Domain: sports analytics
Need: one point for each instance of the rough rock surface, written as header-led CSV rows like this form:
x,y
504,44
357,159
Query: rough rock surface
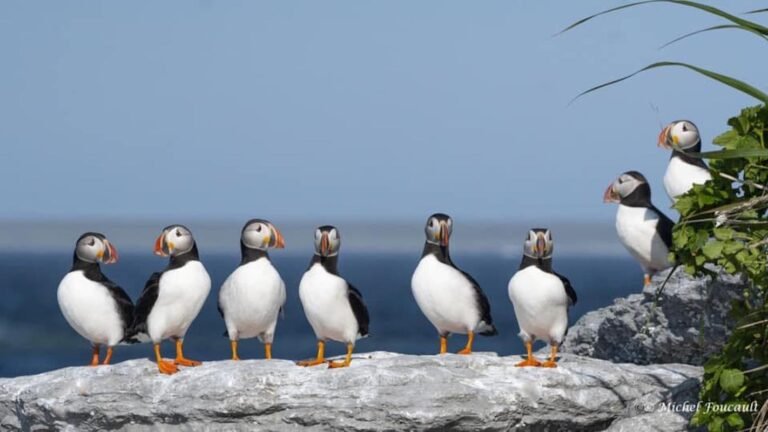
x,y
687,324
380,391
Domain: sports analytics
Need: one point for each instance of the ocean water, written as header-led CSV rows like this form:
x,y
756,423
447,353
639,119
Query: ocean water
x,y
34,337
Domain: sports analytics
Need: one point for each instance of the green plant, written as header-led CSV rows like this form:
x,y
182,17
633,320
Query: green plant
x,y
724,228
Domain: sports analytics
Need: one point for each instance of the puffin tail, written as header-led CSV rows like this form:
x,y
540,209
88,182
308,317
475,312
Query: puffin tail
x,y
486,329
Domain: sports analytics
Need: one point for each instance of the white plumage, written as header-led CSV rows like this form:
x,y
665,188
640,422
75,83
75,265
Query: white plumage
x,y
251,299
325,298
445,296
541,304
681,176
636,227
181,295
90,309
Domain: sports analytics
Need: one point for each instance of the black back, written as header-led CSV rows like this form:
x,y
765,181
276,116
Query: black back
x,y
442,255
545,265
664,227
125,309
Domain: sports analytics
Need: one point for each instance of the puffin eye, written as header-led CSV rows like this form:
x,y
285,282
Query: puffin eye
x,y
685,129
92,242
178,233
431,223
258,228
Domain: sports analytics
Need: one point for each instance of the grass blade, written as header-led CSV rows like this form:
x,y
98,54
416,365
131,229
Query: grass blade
x,y
723,79
756,11
706,8
717,27
731,154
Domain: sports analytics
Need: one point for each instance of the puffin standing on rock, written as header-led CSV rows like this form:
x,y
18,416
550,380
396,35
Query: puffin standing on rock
x,y
95,307
642,228
334,308
541,297
450,298
172,298
251,298
683,170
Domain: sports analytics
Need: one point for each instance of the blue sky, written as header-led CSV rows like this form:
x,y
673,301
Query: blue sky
x,y
345,110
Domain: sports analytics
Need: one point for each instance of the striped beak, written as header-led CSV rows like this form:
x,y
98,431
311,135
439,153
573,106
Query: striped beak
x,y
610,195
325,245
444,234
276,240
162,248
110,253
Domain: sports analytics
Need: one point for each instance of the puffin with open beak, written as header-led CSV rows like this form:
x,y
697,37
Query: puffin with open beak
x,y
643,229
251,298
96,308
173,297
334,308
683,170
449,297
540,297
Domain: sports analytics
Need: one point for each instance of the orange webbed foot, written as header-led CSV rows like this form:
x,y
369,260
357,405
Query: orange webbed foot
x,y
167,367
181,361
465,351
549,364
338,364
531,361
310,362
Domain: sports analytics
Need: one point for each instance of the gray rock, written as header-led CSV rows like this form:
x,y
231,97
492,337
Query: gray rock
x,y
688,323
380,391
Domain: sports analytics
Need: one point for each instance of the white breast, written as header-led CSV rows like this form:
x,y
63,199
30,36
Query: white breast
x,y
180,297
325,300
251,299
90,309
636,227
540,303
445,296
681,176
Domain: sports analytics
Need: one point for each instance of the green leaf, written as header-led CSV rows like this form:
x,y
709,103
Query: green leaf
x,y
717,27
723,79
731,247
731,380
713,250
723,233
700,6
735,420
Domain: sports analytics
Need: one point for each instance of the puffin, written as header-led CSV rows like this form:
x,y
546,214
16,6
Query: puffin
x,y
96,308
173,297
334,308
251,298
449,297
643,229
541,297
683,170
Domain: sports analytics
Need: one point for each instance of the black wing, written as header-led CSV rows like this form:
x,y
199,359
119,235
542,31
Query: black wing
x,y
124,305
359,309
145,304
664,228
483,304
568,288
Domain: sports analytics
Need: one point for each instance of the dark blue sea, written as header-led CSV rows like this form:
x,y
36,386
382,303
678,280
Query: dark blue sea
x,y
34,337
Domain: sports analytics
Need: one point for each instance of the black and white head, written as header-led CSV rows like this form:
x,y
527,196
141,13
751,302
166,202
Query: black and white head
x,y
95,248
438,229
679,135
174,240
327,241
539,244
629,187
261,234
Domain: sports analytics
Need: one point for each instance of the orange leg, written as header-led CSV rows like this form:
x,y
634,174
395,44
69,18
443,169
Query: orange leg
x,y
233,344
165,366
347,360
108,358
268,351
320,359
443,344
180,359
531,360
468,349
95,356
646,280
551,362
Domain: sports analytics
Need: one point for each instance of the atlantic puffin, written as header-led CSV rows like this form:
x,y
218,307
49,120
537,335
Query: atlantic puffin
x,y
334,308
449,297
173,297
540,297
643,229
251,298
96,308
683,170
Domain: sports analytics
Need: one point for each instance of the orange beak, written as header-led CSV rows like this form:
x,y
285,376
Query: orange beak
x,y
610,195
111,253
325,245
161,248
279,241
444,234
541,244
663,138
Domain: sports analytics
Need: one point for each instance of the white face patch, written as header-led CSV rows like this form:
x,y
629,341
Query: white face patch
x,y
625,185
257,235
685,134
180,238
334,241
88,248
